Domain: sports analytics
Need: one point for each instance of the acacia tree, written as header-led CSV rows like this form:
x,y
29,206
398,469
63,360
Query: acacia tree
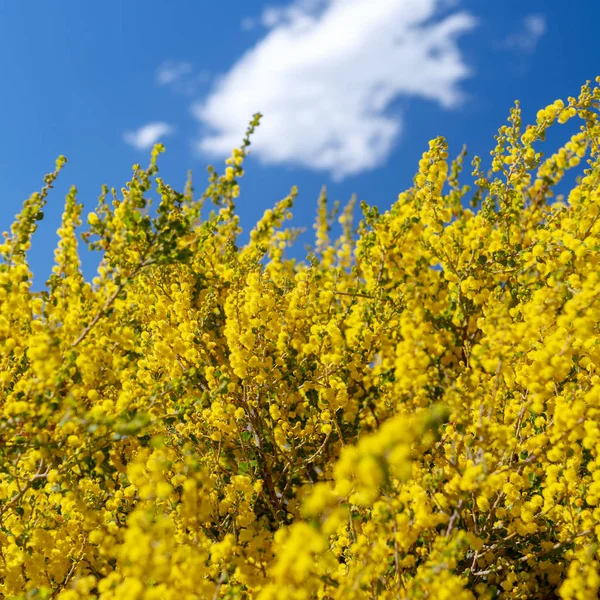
x,y
412,412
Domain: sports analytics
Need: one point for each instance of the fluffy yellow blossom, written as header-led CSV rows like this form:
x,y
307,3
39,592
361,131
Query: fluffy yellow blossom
x,y
411,412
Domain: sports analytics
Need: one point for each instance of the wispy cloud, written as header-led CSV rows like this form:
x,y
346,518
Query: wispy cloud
x,y
276,15
527,37
248,23
324,75
171,71
148,135
180,77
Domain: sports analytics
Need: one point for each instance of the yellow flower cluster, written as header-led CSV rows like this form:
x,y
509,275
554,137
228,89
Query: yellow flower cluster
x,y
413,412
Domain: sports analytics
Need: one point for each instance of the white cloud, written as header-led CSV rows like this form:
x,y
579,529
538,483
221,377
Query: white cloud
x,y
324,75
145,137
527,38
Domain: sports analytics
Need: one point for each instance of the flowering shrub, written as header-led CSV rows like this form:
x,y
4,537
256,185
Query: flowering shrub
x,y
412,413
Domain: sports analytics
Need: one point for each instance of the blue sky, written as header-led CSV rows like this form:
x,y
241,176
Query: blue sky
x,y
351,92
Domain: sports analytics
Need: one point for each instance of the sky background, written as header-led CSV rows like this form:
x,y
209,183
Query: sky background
x,y
351,92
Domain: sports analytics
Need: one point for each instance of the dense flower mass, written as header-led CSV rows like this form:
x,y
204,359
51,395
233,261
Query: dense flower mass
x,y
413,412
